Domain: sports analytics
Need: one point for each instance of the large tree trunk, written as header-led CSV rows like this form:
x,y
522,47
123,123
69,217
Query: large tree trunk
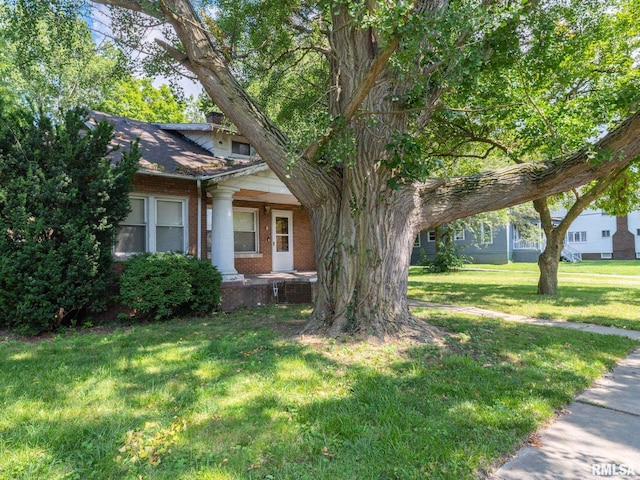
x,y
362,285
363,240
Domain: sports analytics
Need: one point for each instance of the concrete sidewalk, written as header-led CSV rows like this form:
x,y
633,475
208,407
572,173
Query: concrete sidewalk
x,y
596,436
586,327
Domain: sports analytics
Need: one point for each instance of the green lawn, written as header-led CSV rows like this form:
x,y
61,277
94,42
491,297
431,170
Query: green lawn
x,y
586,292
598,267
237,397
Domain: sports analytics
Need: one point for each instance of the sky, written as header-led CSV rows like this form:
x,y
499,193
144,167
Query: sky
x,y
100,24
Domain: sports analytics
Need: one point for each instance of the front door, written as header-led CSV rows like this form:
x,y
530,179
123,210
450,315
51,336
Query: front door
x,y
282,240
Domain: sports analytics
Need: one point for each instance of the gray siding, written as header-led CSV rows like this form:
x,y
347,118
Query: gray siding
x,y
525,256
497,252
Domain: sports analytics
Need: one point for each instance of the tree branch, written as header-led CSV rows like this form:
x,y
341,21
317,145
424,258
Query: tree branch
x,y
496,189
141,6
312,186
587,197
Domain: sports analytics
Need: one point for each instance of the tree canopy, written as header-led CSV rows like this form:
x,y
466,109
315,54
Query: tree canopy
x,y
138,99
49,57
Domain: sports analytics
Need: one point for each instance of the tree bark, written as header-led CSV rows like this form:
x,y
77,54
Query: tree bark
x,y
549,259
548,262
363,229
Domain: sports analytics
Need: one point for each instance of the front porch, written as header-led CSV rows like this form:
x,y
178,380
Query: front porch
x,y
268,289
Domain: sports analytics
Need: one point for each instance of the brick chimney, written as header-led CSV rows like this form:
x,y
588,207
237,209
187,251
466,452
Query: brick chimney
x,y
624,243
216,118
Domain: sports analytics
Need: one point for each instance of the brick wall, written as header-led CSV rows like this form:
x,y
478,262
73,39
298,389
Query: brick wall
x,y
236,296
624,243
303,250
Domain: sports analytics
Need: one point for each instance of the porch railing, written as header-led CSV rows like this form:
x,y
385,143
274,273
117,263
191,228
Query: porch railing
x,y
521,244
568,252
571,254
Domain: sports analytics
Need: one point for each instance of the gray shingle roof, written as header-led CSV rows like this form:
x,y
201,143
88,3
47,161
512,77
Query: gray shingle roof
x,y
167,151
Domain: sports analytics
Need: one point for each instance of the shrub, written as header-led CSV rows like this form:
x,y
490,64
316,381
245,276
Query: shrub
x,y
447,258
205,282
60,202
159,285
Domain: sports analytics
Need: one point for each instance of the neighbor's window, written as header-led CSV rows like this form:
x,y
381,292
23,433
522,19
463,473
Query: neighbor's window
x,y
459,234
245,228
240,148
431,236
486,234
577,237
606,233
416,242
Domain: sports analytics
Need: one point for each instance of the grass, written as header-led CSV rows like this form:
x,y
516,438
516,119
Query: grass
x,y
586,292
237,397
595,267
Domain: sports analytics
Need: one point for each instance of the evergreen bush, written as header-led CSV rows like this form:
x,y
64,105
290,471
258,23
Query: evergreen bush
x,y
60,203
159,285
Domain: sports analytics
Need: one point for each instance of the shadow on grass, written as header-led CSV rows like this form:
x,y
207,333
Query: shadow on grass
x,y
496,293
229,398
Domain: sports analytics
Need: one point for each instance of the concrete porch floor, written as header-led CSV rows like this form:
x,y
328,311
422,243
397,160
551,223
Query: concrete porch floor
x,y
270,278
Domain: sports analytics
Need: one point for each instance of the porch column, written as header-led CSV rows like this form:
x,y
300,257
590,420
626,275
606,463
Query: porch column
x,y
222,249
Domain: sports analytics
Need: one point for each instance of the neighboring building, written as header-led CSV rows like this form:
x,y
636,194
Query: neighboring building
x,y
493,246
594,235
597,235
201,189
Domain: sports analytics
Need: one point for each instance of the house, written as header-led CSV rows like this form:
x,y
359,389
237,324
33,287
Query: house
x,y
594,235
201,188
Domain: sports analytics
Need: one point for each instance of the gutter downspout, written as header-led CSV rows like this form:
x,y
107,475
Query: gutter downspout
x,y
199,247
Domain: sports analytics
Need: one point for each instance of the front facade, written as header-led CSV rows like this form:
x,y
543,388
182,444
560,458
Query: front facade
x,y
201,189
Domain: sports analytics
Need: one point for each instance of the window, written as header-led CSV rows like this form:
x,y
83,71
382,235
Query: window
x,y
132,231
245,228
606,233
154,225
431,236
577,237
486,234
606,256
459,234
240,148
638,232
416,242
169,226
